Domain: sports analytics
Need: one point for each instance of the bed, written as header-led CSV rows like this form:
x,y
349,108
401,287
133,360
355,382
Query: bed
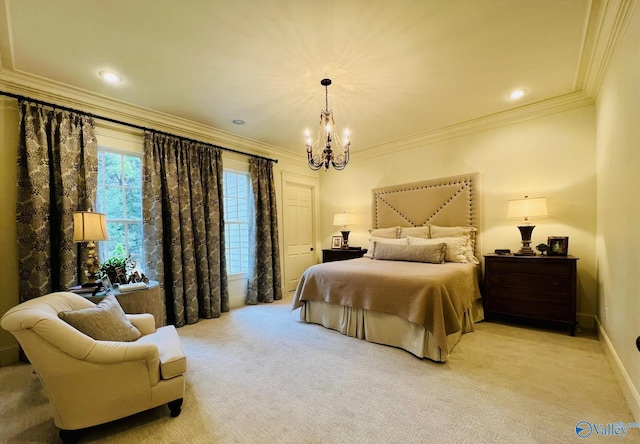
x,y
390,299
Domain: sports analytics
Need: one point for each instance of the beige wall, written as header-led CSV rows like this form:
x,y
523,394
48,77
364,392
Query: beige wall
x,y
551,156
618,172
8,236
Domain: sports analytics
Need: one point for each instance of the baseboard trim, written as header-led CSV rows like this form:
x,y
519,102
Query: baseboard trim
x,y
628,389
9,355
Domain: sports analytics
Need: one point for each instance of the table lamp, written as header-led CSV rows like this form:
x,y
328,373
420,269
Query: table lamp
x,y
90,227
526,208
343,220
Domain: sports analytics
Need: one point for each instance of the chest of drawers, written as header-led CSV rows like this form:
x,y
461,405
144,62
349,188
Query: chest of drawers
x,y
533,287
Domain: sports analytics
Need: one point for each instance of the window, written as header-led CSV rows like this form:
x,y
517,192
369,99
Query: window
x,y
236,189
120,198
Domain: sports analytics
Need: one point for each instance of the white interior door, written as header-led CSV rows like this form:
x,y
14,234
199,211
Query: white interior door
x,y
299,239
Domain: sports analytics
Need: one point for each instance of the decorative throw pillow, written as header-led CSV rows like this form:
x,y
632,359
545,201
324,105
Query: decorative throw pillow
x,y
389,233
423,232
382,240
470,232
104,322
456,247
433,254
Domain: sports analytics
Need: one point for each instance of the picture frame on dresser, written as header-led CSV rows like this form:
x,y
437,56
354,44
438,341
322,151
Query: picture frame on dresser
x,y
107,286
336,242
558,245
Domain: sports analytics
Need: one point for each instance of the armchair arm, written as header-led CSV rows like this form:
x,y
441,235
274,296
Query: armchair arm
x,y
110,352
144,322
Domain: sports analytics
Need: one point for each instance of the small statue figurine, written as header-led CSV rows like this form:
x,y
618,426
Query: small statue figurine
x,y
542,248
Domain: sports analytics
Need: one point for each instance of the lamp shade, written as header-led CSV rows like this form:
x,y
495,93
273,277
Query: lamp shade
x,y
344,219
89,226
527,207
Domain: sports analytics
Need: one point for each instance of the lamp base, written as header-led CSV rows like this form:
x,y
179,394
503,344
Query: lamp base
x,y
345,239
525,232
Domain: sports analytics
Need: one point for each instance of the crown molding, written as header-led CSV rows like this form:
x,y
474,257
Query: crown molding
x,y
605,28
536,110
40,88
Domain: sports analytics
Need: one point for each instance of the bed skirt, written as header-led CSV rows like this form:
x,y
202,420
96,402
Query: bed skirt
x,y
387,329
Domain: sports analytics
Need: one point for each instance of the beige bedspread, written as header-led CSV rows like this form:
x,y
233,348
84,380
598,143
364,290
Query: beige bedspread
x,y
435,296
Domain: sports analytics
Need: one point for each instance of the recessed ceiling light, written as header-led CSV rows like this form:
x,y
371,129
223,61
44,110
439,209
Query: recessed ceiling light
x,y
517,94
238,122
110,76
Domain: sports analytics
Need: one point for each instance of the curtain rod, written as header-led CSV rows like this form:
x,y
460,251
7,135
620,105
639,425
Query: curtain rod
x,y
132,125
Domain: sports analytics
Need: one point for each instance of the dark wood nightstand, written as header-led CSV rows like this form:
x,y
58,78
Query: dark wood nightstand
x,y
332,255
532,287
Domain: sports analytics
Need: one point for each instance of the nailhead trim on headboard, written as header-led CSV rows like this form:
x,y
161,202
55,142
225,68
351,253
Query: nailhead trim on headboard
x,y
465,186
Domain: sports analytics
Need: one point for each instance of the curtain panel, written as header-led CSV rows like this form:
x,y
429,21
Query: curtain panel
x,y
184,226
57,175
264,256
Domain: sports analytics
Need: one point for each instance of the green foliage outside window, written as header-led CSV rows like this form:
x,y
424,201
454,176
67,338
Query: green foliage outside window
x,y
120,198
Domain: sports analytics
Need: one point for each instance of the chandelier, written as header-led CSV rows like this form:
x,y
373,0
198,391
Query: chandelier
x,y
327,133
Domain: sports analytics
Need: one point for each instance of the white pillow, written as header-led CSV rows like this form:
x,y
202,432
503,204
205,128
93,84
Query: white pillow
x,y
439,232
456,247
433,254
383,240
389,233
423,232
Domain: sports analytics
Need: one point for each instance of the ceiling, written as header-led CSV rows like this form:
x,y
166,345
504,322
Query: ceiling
x,y
399,69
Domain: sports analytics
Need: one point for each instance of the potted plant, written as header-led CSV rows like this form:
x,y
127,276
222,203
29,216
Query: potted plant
x,y
114,267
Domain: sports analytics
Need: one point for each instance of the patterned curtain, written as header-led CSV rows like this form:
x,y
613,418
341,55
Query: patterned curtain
x,y
264,257
184,226
57,175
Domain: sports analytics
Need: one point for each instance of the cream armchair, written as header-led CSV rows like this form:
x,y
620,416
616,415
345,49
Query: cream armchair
x,y
91,382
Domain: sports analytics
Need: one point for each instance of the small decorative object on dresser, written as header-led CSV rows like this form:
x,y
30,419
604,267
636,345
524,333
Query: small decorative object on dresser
x,y
106,284
542,248
558,245
336,242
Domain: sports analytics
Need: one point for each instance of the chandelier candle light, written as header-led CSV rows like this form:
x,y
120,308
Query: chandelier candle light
x,y
343,220
526,208
319,159
90,227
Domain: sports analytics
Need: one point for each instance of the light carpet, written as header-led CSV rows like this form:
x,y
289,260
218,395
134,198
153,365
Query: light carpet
x,y
260,375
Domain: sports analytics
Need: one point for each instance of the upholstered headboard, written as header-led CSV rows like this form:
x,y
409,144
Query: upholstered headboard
x,y
446,201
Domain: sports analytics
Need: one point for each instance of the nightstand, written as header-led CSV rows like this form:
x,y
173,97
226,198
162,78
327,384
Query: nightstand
x,y
533,287
332,255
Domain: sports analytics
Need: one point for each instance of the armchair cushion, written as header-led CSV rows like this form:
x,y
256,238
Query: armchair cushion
x,y
104,322
172,359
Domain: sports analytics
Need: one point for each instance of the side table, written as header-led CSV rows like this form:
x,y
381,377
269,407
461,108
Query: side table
x,y
145,300
335,254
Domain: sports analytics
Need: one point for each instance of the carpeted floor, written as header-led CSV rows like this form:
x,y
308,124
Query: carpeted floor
x,y
259,375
